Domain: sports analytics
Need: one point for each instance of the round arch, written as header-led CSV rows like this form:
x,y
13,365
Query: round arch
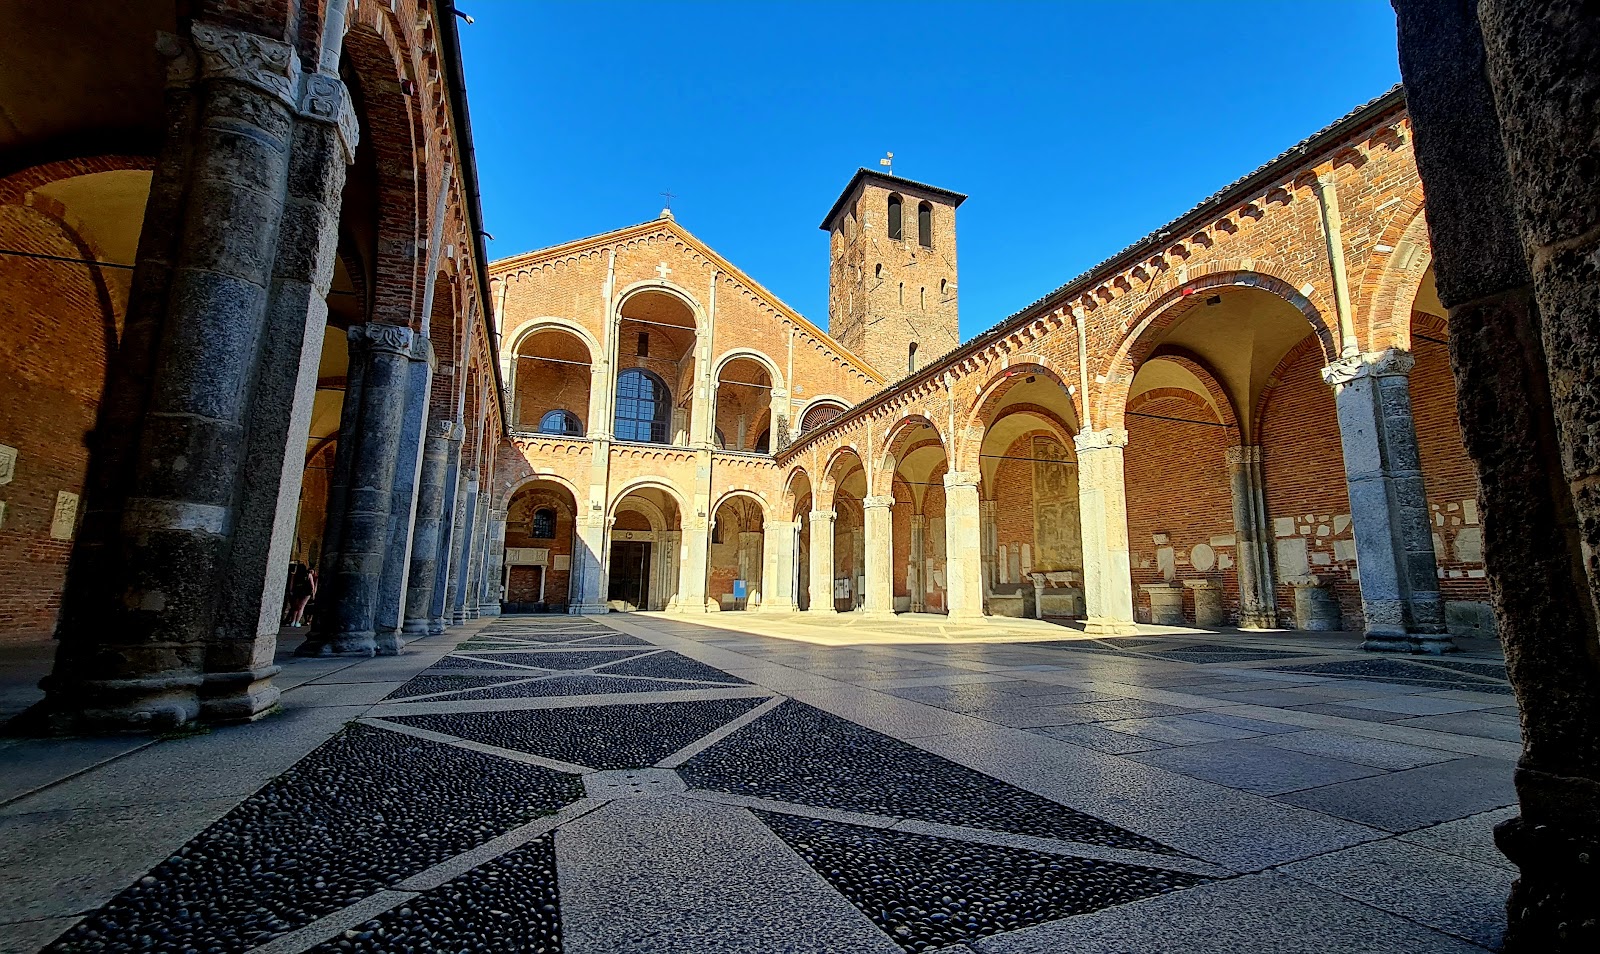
x,y
1388,318
548,323
821,399
659,285
738,492
645,483
1175,304
993,393
1216,396
513,487
753,355
888,461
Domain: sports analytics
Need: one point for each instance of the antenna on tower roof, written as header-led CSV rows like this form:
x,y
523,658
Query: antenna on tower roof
x,y
888,161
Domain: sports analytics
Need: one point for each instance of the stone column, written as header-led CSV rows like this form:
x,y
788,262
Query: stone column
x,y
1486,98
449,522
493,564
1388,505
429,522
478,527
821,561
777,585
358,536
991,544
878,518
588,567
393,586
692,571
918,581
176,584
1103,512
461,550
963,563
1258,598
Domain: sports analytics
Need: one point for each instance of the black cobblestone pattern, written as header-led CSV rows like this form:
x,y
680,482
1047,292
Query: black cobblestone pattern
x,y
1490,670
364,811
508,906
556,659
482,664
927,893
577,640
585,685
430,681
624,736
1399,673
670,665
797,753
1226,654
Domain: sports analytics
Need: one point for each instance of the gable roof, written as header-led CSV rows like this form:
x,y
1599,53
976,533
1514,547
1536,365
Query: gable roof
x,y
893,184
671,226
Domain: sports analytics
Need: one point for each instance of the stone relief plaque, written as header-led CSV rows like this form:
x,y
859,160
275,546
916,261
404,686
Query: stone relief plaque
x,y
8,463
65,519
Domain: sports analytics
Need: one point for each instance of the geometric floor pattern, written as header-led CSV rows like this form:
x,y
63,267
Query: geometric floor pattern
x,y
748,784
328,856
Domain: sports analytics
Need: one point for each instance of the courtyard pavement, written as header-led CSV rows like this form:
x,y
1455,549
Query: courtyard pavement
x,y
752,783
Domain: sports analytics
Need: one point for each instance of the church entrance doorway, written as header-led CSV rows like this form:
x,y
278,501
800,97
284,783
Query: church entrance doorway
x,y
630,576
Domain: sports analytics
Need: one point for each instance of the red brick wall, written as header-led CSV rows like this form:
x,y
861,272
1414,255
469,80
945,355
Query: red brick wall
x,y
1447,471
1178,496
1303,470
519,521
53,330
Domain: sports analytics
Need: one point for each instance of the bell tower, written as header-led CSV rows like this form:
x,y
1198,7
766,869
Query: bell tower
x,y
892,275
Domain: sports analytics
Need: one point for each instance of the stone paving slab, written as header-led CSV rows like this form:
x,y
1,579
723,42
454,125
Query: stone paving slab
x,y
911,708
670,875
1260,914
1442,891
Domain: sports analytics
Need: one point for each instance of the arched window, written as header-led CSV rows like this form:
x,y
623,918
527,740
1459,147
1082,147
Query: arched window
x,y
896,230
911,358
764,442
925,225
943,283
644,407
877,271
820,414
922,298
561,422
544,524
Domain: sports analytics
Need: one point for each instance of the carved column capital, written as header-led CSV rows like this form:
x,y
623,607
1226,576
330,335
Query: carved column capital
x,y
1244,453
378,336
1389,362
443,430
326,99
825,516
959,478
1100,440
878,500
271,66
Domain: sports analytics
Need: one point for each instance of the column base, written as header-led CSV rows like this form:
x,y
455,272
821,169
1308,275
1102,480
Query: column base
x,y
778,606
239,696
1102,626
1258,621
1414,643
418,628
822,611
389,643
588,609
436,626
488,609
150,704
343,644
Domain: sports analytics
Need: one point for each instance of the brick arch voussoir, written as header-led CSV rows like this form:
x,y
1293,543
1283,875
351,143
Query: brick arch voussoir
x,y
1166,309
1293,355
391,123
1220,401
994,388
893,446
15,187
1392,289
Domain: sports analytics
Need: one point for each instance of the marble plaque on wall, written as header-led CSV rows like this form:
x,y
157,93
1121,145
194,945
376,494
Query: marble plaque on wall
x,y
8,463
65,519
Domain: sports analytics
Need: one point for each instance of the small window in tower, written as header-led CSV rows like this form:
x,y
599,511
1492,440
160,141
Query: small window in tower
x,y
942,283
902,294
911,358
925,225
644,344
922,298
896,232
877,271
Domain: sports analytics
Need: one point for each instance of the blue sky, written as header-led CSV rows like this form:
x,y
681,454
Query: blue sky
x,y
1075,128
